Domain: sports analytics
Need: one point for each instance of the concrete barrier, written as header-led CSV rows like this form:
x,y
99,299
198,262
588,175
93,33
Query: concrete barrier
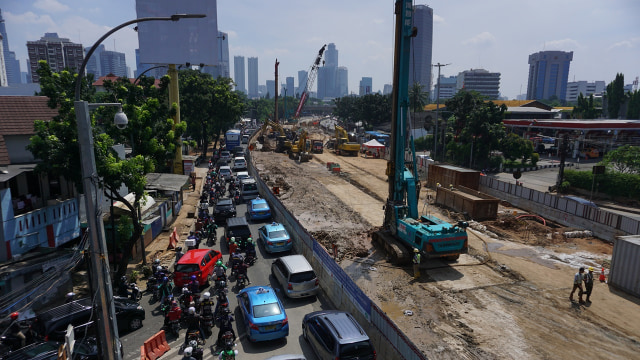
x,y
156,345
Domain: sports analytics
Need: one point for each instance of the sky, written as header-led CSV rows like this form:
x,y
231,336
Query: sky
x,y
495,35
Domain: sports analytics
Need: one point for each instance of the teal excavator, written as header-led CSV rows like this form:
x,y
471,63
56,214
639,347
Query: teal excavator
x,y
404,229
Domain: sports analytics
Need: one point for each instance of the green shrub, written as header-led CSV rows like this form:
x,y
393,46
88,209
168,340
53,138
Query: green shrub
x,y
535,157
611,183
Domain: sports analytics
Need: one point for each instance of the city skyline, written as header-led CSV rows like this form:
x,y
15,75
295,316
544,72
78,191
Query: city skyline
x,y
494,36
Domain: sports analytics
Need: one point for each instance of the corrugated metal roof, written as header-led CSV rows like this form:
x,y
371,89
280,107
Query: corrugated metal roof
x,y
163,182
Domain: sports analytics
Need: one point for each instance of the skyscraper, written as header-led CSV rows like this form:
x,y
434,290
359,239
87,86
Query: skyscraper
x,y
238,73
342,81
93,64
60,53
331,55
113,62
328,74
366,85
271,89
290,89
12,64
252,72
302,82
484,82
548,74
3,67
421,48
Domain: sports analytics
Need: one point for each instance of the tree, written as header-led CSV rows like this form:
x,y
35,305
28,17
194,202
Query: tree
x,y
515,147
633,110
474,120
370,109
615,96
625,159
417,98
585,109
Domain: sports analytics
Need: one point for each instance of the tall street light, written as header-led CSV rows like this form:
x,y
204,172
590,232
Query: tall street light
x,y
99,276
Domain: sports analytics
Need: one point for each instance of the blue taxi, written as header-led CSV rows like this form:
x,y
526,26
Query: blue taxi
x,y
259,209
275,238
263,314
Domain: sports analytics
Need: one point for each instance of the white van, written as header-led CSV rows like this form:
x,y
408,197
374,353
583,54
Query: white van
x,y
248,189
239,163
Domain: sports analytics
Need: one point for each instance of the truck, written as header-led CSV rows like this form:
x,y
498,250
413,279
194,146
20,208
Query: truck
x,y
317,146
344,146
404,229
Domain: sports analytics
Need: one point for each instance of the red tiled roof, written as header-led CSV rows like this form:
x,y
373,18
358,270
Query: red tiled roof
x,y
18,113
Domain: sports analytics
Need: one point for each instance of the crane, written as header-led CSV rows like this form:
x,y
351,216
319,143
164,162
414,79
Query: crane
x,y
403,227
311,78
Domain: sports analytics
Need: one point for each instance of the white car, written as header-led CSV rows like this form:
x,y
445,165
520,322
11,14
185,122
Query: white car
x,y
225,155
241,175
225,173
239,164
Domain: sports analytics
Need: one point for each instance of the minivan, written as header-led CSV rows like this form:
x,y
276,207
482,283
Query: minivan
x,y
248,189
225,173
296,276
237,227
198,262
239,163
337,335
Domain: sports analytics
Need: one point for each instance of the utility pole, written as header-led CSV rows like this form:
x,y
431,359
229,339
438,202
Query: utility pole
x,y
435,133
275,116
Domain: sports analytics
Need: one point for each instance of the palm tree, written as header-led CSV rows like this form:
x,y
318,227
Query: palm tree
x,y
417,97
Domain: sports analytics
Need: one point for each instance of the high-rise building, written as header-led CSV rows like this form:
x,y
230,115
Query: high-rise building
x,y
548,74
290,87
12,64
3,67
366,84
113,62
480,80
252,72
60,53
448,88
302,82
387,89
331,55
238,73
421,48
93,63
342,81
271,89
575,88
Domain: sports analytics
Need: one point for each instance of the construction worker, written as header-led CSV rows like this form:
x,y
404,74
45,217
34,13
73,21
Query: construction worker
x,y
588,283
577,284
416,263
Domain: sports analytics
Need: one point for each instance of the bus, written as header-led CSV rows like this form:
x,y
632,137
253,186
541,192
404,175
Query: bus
x,y
232,139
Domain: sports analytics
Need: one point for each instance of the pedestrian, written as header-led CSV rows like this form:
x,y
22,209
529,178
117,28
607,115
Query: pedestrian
x,y
193,181
588,283
577,284
416,263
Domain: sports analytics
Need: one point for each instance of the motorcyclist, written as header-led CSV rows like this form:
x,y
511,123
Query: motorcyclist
x,y
236,259
186,355
227,354
225,325
174,314
212,230
16,330
165,289
194,285
220,271
166,305
233,246
250,248
242,270
206,305
179,253
193,324
222,300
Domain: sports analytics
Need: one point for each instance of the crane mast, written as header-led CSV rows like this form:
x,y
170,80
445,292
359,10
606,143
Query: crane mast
x,y
311,78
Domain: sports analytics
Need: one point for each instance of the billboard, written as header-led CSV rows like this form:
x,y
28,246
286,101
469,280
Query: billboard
x,y
178,42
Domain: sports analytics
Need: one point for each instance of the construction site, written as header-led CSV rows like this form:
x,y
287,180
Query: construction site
x,y
506,297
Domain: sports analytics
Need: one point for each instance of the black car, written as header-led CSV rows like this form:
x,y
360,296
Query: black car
x,y
85,348
53,323
224,209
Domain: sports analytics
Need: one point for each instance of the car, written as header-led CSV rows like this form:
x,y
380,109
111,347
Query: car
x,y
245,139
85,348
225,173
239,164
248,189
237,227
296,276
198,262
336,335
53,323
548,140
238,151
225,156
275,238
240,175
259,209
224,209
263,314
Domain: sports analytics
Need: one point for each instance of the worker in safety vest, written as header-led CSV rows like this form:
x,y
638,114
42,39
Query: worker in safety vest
x,y
416,263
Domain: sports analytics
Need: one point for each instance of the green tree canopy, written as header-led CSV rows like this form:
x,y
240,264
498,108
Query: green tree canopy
x,y
418,98
625,159
585,109
615,96
515,147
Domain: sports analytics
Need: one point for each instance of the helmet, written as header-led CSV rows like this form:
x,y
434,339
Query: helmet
x,y
192,310
179,248
165,279
123,279
188,351
249,238
415,250
206,295
185,290
223,284
170,297
590,268
233,239
156,262
219,263
193,277
14,315
174,303
193,343
159,268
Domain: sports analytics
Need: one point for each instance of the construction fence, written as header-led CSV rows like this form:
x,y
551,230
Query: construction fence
x,y
342,291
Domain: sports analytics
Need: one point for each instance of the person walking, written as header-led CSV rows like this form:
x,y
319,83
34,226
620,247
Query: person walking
x,y
588,283
416,263
577,284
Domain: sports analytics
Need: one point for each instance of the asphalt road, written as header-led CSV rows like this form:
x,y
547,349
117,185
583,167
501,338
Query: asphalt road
x,y
259,274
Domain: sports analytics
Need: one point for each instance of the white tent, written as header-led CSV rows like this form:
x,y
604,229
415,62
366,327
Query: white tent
x,y
373,144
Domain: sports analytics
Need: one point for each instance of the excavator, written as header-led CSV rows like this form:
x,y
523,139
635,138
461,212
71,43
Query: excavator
x,y
343,145
404,229
301,150
283,144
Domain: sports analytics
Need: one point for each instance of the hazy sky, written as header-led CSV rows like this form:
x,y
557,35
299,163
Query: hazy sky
x,y
496,35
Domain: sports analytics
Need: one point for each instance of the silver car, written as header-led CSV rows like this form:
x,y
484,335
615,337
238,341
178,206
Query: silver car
x,y
296,276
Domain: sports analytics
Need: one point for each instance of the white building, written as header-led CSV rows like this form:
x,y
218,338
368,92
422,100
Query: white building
x,y
575,88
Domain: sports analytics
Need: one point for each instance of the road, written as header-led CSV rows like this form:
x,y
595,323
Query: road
x,y
260,274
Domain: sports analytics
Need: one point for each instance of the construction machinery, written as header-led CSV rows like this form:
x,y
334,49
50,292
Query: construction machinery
x,y
344,146
301,150
311,78
317,146
404,229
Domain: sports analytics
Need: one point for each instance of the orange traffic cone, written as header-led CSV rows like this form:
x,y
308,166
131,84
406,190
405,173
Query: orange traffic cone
x,y
602,278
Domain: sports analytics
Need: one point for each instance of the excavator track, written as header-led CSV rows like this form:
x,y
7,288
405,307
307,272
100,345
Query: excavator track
x,y
400,254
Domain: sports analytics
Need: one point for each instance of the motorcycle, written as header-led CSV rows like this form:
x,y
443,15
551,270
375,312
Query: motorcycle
x,y
207,321
130,291
193,335
250,258
241,279
196,350
228,341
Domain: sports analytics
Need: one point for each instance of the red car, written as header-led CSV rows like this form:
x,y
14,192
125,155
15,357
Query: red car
x,y
198,262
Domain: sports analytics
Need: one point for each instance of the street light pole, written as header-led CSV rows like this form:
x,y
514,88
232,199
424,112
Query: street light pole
x,y
99,276
435,134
